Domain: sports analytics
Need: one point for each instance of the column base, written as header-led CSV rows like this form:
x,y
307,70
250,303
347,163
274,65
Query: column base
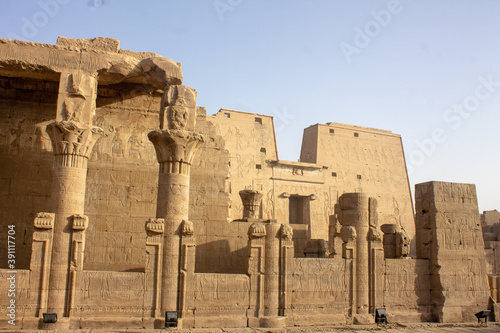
x,y
274,321
63,323
363,319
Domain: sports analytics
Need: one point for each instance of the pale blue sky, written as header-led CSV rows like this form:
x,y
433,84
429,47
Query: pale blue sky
x,y
412,67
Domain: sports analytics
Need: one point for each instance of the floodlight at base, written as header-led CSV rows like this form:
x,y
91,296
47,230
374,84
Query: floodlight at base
x,y
483,315
49,318
171,319
380,316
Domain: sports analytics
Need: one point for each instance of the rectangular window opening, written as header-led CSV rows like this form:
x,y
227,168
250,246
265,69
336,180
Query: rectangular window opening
x,y
227,115
356,135
332,131
299,209
263,150
359,176
334,174
258,166
258,120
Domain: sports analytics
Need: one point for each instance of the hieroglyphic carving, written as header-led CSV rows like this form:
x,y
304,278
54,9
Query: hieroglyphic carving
x,y
77,95
448,232
319,282
112,291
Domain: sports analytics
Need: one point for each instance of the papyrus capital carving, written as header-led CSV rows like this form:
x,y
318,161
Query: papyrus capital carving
x,y
73,140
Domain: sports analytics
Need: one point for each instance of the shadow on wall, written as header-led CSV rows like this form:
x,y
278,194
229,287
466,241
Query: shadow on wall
x,y
217,257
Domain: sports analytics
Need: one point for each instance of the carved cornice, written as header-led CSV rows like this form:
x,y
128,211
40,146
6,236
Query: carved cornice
x,y
80,222
72,141
44,220
187,228
156,226
175,146
257,230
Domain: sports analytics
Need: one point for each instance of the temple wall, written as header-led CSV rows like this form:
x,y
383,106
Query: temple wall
x,y
407,290
221,298
250,141
361,159
321,290
25,306
26,105
221,247
109,294
151,219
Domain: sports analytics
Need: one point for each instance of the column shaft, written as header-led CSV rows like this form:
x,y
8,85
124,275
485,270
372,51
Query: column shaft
x,y
173,204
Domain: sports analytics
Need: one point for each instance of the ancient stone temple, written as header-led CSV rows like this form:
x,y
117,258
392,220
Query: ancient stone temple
x,y
124,203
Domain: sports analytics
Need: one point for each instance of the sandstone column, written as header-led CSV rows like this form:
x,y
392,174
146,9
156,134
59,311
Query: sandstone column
x,y
175,144
354,213
272,276
73,138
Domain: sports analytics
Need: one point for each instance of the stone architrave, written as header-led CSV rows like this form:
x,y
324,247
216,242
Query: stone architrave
x,y
72,139
449,234
175,144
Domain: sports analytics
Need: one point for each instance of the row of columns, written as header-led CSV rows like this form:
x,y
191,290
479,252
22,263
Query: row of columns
x,y
59,238
175,142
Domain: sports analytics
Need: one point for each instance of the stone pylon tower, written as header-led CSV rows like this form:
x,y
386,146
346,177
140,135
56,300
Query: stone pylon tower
x,y
73,138
175,143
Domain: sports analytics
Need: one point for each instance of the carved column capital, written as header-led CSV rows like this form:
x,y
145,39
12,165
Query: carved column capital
x,y
251,203
175,149
72,142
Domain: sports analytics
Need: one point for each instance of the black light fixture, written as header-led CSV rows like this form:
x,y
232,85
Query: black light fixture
x,y
482,315
49,318
171,319
380,316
